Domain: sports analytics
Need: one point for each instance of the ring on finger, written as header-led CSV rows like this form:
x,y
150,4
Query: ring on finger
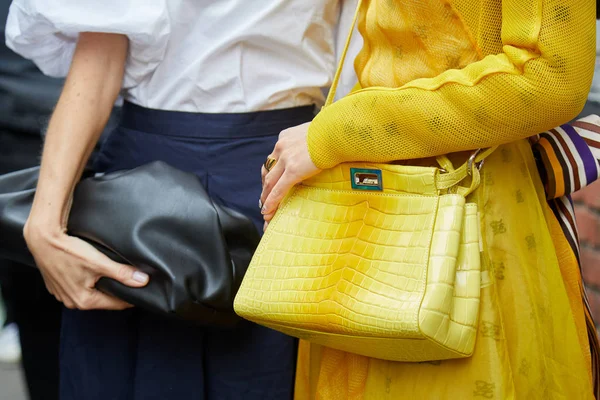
x,y
270,163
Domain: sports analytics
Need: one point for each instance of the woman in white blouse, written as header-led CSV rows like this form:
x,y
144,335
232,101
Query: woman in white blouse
x,y
208,86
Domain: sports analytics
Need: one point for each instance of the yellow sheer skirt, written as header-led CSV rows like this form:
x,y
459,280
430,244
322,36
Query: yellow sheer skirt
x,y
532,341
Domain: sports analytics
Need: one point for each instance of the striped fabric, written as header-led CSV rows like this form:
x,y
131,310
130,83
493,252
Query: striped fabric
x,y
568,160
570,155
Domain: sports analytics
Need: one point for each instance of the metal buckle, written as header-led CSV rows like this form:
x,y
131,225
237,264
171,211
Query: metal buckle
x,y
472,160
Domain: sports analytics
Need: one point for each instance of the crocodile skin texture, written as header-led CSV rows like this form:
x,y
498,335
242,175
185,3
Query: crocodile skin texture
x,y
390,274
450,306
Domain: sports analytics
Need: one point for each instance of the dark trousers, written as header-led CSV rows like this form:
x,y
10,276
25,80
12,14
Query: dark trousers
x,y
27,302
131,355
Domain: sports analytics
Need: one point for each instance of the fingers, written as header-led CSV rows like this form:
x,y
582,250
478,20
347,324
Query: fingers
x,y
100,265
269,182
102,301
126,274
263,174
275,196
49,284
81,294
71,267
294,165
273,156
92,299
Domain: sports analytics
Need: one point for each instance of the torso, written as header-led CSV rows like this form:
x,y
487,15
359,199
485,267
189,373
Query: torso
x,y
242,56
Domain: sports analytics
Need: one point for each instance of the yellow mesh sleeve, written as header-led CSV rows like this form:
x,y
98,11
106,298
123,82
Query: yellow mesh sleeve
x,y
539,80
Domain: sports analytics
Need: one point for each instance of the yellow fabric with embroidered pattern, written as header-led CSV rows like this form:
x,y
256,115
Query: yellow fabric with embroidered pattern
x,y
438,77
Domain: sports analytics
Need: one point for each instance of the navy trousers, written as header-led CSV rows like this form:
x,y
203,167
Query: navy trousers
x,y
135,355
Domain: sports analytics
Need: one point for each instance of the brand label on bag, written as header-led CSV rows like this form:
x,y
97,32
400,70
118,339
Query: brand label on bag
x,y
366,179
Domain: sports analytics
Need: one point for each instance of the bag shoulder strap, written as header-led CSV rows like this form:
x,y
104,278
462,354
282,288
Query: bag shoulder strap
x,y
338,72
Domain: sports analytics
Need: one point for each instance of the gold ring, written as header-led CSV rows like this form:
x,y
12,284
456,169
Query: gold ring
x,y
270,163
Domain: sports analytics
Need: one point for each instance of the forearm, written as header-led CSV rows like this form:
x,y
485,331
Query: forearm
x,y
540,80
90,90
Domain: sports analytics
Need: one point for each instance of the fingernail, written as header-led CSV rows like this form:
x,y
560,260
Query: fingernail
x,y
140,277
260,204
263,209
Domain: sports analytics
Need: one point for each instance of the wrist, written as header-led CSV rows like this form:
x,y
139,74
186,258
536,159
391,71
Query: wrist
x,y
44,223
46,228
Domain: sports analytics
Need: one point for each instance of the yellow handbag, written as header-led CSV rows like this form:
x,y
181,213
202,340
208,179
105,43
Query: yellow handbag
x,y
381,260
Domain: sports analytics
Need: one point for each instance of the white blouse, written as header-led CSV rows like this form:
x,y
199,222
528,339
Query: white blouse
x,y
209,56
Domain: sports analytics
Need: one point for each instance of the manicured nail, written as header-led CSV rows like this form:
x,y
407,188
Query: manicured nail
x,y
140,277
263,209
260,204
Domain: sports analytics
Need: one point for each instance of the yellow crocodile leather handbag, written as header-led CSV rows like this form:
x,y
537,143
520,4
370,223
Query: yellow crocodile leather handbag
x,y
380,260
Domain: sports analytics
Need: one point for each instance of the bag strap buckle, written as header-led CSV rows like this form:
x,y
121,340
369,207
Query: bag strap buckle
x,y
471,162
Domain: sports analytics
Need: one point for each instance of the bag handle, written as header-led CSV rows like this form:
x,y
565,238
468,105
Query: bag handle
x,y
338,71
452,177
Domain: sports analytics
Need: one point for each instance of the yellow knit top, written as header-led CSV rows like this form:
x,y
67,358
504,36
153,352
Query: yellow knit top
x,y
441,76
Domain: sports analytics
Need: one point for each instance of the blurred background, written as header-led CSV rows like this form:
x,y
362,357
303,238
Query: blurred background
x,y
30,317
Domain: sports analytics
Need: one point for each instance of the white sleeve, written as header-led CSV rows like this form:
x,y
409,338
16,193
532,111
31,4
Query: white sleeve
x,y
348,78
46,31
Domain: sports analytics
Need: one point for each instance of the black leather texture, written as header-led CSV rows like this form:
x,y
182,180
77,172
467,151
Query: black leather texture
x,y
158,219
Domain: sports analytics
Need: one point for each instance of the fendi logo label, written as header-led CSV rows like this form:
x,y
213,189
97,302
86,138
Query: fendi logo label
x,y
366,179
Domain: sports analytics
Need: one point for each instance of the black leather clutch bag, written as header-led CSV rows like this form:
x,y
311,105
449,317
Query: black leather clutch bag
x,y
154,217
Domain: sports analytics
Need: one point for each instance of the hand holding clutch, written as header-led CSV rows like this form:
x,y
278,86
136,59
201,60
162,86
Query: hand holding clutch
x,y
155,217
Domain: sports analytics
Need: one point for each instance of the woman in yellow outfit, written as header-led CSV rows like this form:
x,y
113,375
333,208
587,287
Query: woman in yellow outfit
x,y
438,77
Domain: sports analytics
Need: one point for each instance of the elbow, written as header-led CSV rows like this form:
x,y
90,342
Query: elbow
x,y
565,104
572,94
567,85
560,98
577,102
